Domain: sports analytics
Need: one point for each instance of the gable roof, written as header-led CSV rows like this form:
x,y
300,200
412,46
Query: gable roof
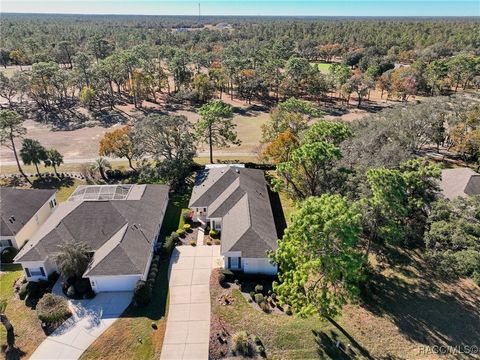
x,y
120,232
460,182
17,206
240,197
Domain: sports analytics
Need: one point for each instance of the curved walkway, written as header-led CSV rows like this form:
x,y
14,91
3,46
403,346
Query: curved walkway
x,y
188,323
89,320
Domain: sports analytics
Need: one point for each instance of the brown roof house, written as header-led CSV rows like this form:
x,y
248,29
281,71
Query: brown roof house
x,y
235,201
22,212
120,223
460,182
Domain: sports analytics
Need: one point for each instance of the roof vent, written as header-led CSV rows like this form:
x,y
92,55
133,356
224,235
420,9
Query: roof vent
x,y
237,171
11,219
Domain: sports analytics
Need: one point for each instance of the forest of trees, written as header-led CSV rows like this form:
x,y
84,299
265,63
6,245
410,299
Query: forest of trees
x,y
99,62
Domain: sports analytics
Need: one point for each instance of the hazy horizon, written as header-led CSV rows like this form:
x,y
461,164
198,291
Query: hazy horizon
x,y
324,8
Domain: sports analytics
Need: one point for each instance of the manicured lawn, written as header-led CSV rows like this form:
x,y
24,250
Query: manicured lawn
x,y
28,332
132,336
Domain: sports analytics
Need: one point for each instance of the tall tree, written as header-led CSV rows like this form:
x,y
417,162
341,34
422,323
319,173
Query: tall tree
x,y
101,165
118,143
72,259
32,152
319,266
215,125
169,140
11,128
53,159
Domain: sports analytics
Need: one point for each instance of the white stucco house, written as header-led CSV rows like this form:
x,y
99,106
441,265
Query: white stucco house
x,y
22,212
235,201
120,223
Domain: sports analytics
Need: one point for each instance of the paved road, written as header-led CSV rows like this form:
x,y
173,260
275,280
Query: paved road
x,y
188,323
91,318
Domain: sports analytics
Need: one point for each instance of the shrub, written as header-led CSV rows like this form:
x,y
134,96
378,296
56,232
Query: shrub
x,y
23,291
82,285
236,281
257,340
222,279
240,343
71,292
192,243
154,267
258,289
208,242
264,306
142,293
269,292
174,235
260,350
213,233
252,294
259,298
249,300
187,227
8,254
216,241
151,282
168,245
288,310
181,232
53,309
187,216
153,273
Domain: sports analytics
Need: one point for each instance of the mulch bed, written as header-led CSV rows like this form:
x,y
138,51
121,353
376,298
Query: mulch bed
x,y
220,333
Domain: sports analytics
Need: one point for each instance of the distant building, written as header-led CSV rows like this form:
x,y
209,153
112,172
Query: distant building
x,y
22,211
460,182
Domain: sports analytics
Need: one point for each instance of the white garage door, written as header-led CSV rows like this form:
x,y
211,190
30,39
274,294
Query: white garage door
x,y
114,283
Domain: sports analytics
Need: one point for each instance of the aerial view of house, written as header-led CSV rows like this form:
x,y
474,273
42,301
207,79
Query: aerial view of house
x,y
22,212
235,201
120,223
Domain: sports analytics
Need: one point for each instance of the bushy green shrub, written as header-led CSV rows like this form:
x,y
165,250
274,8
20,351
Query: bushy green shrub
x,y
222,279
181,232
260,350
153,273
23,291
168,245
187,227
71,292
264,306
8,254
174,235
258,288
187,216
241,344
142,293
259,298
213,233
217,242
192,243
208,242
53,309
252,294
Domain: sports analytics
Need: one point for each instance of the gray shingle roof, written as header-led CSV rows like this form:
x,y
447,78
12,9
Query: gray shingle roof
x,y
240,197
22,204
460,182
107,227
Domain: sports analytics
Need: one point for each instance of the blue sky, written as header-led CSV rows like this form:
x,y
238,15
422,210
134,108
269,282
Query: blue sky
x,y
250,7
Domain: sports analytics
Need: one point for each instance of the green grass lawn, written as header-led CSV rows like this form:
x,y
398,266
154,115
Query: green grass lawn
x,y
28,332
132,336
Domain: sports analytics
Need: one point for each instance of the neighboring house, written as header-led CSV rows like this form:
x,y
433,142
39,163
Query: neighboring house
x,y
235,201
460,182
22,212
120,223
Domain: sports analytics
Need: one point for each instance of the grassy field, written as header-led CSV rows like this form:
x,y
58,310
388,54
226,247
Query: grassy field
x,y
28,332
132,336
407,309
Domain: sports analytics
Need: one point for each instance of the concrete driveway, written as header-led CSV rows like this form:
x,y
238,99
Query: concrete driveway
x,y
90,319
188,323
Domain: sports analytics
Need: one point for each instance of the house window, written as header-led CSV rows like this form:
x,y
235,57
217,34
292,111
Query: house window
x,y
5,243
35,271
234,262
27,271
